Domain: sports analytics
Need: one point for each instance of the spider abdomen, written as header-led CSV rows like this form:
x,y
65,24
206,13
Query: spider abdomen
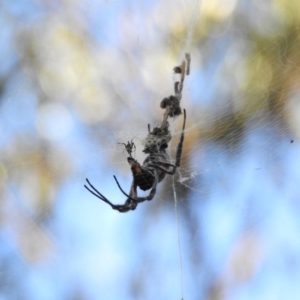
x,y
144,180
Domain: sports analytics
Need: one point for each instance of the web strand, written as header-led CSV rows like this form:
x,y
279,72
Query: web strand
x,y
178,236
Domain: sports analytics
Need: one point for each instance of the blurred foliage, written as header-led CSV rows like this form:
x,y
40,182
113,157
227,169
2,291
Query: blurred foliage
x,y
57,57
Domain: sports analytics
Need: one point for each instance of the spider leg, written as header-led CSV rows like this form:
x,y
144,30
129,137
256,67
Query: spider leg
x,y
180,145
130,203
135,199
120,207
98,194
157,163
183,65
176,88
188,63
129,197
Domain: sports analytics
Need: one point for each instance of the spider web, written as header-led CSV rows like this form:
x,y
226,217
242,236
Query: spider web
x,y
79,77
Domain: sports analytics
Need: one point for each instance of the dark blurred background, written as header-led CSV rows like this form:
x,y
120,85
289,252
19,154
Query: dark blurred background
x,y
79,77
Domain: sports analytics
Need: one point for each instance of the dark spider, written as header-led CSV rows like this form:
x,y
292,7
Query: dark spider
x,y
157,164
154,169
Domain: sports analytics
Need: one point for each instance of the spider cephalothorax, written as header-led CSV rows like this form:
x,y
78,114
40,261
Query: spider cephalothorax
x,y
157,164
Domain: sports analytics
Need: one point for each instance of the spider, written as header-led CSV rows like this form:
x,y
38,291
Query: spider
x,y
129,147
157,164
154,169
